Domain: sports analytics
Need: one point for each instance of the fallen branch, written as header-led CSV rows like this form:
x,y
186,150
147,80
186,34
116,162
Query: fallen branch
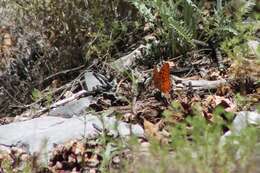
x,y
129,60
66,100
198,84
53,76
60,103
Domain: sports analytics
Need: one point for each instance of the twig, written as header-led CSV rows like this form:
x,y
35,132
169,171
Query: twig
x,y
62,73
14,99
73,97
51,93
192,68
61,102
63,88
72,83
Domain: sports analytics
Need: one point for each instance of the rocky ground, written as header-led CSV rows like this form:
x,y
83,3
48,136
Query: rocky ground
x,y
68,115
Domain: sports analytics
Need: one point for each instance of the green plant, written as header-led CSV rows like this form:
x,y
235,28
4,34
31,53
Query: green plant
x,y
197,145
230,27
7,167
200,150
45,97
178,26
74,32
180,22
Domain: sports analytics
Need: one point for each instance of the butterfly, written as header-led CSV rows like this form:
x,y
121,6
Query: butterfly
x,y
162,79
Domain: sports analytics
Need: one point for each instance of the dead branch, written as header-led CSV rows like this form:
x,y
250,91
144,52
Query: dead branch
x,y
198,84
129,60
53,76
60,103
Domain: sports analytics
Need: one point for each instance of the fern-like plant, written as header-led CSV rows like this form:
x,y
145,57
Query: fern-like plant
x,y
179,20
177,25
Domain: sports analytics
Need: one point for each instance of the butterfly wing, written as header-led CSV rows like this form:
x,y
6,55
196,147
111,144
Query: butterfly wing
x,y
165,84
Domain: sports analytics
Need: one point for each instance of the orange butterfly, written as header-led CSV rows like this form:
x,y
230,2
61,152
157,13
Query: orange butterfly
x,y
162,79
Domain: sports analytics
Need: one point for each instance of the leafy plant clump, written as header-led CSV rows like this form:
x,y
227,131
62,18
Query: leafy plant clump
x,y
186,22
199,146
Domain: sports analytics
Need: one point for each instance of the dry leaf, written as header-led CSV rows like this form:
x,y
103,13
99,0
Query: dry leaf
x,y
227,104
153,130
223,90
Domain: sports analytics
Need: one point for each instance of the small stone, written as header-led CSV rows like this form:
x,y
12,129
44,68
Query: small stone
x,y
128,116
79,149
68,94
145,147
74,170
24,157
148,27
71,159
116,160
92,171
58,165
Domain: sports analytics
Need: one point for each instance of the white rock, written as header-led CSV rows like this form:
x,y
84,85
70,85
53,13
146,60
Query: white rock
x,y
243,119
253,46
55,130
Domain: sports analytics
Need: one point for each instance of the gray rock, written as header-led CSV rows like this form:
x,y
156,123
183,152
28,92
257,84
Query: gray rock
x,y
73,108
93,82
55,130
245,118
242,120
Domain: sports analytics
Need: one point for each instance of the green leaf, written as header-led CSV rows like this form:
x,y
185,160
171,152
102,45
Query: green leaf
x,y
36,94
